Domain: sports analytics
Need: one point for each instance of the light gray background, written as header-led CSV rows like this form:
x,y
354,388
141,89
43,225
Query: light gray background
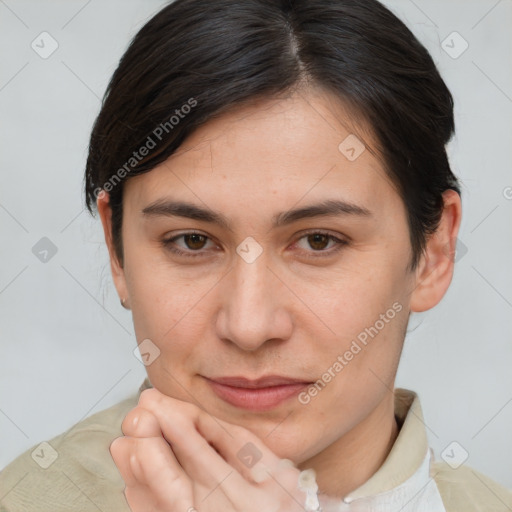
x,y
66,343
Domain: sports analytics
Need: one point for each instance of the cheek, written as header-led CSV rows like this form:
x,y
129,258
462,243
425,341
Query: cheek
x,y
171,312
157,293
366,314
354,299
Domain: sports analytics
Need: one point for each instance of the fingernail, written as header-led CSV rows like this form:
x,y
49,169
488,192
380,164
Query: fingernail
x,y
285,463
259,474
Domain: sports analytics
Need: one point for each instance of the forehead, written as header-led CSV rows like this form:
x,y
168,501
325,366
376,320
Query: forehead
x,y
289,150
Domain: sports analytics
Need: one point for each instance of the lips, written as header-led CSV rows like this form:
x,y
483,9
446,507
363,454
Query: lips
x,y
259,394
262,382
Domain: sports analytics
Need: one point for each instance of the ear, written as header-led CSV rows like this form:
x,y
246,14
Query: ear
x,y
435,270
118,276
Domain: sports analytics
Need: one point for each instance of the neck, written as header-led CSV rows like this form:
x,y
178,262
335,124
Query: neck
x,y
354,458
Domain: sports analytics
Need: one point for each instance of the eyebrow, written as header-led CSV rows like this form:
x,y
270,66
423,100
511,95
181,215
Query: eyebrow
x,y
329,207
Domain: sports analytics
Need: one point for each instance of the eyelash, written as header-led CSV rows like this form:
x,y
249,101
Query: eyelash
x,y
194,254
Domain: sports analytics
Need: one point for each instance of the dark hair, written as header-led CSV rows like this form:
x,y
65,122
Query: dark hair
x,y
195,60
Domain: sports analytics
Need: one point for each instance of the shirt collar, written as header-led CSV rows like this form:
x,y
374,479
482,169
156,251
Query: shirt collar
x,y
407,452
403,482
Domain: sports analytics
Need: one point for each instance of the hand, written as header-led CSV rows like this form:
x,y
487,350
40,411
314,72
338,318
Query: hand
x,y
179,458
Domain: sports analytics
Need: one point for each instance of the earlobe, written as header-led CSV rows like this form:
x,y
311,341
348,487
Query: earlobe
x,y
435,270
118,276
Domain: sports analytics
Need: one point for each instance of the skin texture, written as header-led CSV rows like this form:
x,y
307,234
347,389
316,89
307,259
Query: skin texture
x,y
216,315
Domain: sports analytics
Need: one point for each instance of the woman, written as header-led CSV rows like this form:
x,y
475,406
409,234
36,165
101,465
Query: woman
x,y
276,199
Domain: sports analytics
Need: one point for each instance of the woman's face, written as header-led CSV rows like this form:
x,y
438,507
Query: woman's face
x,y
263,295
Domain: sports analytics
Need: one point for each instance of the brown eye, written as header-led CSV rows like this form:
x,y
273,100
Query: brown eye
x,y
192,244
194,241
318,242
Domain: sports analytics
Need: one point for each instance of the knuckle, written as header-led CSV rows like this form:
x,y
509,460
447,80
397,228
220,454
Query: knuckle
x,y
116,444
118,448
146,425
127,424
148,396
145,418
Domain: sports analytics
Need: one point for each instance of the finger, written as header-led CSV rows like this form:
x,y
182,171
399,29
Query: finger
x,y
141,499
120,451
246,452
198,458
238,446
157,468
139,422
209,448
149,463
276,479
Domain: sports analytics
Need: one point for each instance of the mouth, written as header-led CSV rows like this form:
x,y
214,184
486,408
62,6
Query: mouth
x,y
260,394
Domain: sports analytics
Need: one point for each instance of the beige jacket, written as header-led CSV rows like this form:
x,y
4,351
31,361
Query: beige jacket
x,y
74,472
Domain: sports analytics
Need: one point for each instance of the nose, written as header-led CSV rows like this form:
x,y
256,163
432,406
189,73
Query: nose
x,y
254,305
